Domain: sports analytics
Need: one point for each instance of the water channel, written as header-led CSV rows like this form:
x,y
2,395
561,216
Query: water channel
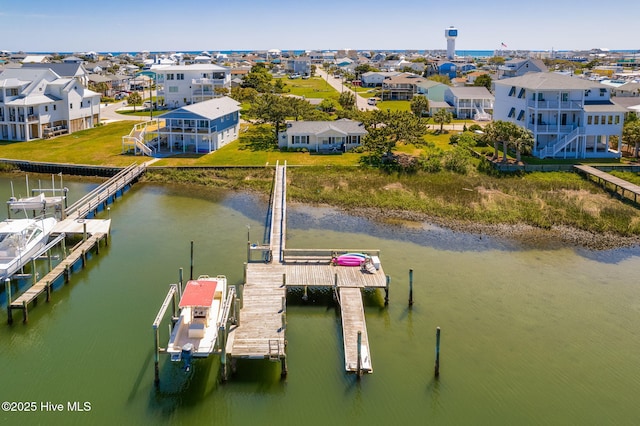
x,y
530,335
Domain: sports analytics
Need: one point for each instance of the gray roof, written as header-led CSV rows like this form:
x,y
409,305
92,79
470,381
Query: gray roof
x,y
549,81
69,69
604,107
315,127
471,92
208,110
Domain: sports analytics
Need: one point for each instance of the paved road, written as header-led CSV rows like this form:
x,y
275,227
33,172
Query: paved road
x,y
108,113
336,83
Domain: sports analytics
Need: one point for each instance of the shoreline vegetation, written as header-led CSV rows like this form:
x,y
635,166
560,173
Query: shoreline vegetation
x,y
551,208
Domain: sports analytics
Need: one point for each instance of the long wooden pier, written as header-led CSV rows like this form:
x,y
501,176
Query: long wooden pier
x,y
75,223
620,186
260,333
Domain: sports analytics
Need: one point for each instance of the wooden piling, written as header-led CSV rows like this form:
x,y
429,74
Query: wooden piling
x,y
7,290
25,313
84,231
437,366
48,287
283,366
191,266
34,275
180,277
156,356
359,361
410,287
386,291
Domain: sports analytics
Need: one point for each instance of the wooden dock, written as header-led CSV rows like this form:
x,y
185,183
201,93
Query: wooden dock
x,y
75,223
353,322
65,268
260,329
105,193
261,326
620,186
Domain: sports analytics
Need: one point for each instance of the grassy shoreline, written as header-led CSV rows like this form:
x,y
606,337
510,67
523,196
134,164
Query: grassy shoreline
x,y
545,204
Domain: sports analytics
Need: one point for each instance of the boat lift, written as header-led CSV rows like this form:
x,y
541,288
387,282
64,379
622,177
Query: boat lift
x,y
172,298
38,202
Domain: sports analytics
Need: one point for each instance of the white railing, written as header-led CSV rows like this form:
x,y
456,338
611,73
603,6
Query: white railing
x,y
553,149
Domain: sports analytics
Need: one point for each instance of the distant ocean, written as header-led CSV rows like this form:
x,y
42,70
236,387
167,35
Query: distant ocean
x,y
472,53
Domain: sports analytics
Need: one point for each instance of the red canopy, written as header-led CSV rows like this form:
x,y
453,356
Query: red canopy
x,y
198,293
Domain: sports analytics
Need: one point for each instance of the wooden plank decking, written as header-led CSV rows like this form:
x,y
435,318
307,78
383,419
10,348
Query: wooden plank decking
x,y
627,189
352,312
41,286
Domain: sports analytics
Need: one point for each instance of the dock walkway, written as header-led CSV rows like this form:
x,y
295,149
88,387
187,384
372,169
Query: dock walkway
x,y
627,189
353,322
261,330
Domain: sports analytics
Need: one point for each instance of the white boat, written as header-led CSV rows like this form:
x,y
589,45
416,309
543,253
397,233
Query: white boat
x,y
20,240
195,333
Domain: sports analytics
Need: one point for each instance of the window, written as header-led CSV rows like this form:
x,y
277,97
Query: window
x,y
603,92
180,76
173,89
521,115
596,119
610,119
30,111
170,76
81,104
54,107
70,106
522,94
301,139
46,108
589,120
617,119
512,92
564,97
512,112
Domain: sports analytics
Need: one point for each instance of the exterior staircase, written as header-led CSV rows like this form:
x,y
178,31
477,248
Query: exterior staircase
x,y
563,142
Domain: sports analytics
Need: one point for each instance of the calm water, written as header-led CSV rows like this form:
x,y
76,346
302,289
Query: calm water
x,y
529,335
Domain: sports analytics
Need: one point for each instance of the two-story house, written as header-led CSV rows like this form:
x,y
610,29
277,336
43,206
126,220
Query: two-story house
x,y
328,136
181,85
474,102
401,87
37,103
520,66
202,127
569,117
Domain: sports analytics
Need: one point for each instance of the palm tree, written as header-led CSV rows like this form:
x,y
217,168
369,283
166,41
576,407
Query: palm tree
x,y
631,135
521,139
442,117
509,134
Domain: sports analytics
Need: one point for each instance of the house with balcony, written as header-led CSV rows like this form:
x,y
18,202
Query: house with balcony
x,y
520,66
182,85
37,103
473,102
568,116
401,87
322,136
202,127
375,78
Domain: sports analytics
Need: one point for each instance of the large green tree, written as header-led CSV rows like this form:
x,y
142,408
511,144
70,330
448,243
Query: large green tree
x,y
419,105
386,129
259,79
483,80
272,109
347,100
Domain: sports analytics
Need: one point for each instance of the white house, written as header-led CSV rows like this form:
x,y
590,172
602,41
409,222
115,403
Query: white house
x,y
375,78
187,84
520,66
329,136
202,127
37,103
474,102
569,117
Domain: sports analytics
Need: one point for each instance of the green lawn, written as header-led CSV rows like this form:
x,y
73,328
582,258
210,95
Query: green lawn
x,y
99,146
314,87
394,105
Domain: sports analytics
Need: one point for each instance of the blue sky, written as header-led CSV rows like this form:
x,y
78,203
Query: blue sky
x,y
184,25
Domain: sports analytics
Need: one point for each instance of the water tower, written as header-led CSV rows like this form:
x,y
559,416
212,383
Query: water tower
x,y
451,34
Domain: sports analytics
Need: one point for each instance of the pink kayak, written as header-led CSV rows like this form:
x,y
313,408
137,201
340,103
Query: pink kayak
x,y
349,260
